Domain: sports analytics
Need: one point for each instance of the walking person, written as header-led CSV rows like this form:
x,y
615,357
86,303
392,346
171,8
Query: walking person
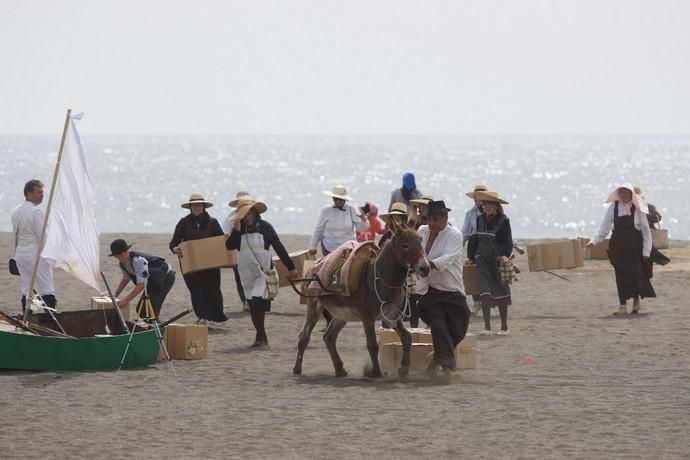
x,y
204,286
489,246
407,192
337,224
145,271
629,247
469,228
27,225
253,238
227,229
443,305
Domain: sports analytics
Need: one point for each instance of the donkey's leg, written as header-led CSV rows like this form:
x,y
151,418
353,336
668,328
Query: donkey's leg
x,y
331,335
372,345
314,309
406,340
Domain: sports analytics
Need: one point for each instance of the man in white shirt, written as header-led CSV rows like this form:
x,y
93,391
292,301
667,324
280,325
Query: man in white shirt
x,y
443,305
337,223
27,224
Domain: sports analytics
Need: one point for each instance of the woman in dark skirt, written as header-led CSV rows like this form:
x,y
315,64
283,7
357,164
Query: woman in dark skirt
x,y
204,286
493,242
629,247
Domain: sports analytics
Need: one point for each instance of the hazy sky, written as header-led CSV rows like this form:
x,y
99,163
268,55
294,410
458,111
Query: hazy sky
x,y
346,67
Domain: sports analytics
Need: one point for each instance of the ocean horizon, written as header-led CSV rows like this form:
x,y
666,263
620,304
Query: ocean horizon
x,y
556,185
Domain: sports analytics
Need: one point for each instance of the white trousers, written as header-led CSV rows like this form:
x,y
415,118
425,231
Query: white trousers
x,y
44,276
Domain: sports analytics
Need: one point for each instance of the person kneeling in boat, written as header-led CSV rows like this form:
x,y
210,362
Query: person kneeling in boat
x,y
145,271
443,305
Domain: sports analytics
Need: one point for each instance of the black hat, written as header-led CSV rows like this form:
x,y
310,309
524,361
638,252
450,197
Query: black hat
x,y
437,208
118,247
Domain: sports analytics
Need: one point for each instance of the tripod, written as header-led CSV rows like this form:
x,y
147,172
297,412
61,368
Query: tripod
x,y
144,311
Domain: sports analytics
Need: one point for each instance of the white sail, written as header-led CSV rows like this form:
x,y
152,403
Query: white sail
x,y
72,233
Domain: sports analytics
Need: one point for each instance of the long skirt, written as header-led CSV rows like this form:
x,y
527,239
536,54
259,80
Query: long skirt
x,y
207,298
625,254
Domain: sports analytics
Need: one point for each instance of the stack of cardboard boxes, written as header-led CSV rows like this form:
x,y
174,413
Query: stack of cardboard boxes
x,y
422,349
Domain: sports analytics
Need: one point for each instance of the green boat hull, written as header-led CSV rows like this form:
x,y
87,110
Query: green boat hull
x,y
37,353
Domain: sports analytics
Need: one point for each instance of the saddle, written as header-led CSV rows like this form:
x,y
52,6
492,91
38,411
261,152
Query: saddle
x,y
341,270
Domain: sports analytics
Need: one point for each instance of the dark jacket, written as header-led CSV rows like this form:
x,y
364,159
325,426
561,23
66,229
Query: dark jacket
x,y
192,227
270,240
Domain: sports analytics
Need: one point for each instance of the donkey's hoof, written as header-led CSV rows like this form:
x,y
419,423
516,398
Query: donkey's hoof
x,y
341,373
403,371
297,370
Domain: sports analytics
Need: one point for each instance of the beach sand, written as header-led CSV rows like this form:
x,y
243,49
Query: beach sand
x,y
569,381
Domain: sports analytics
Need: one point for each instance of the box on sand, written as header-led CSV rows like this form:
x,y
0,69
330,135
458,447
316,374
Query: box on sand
x,y
554,256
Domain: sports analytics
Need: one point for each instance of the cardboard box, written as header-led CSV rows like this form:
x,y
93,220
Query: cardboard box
x,y
660,238
187,341
387,336
470,278
390,355
597,252
298,258
206,254
420,335
555,256
466,352
104,302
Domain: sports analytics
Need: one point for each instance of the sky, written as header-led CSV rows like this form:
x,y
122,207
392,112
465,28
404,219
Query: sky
x,y
302,67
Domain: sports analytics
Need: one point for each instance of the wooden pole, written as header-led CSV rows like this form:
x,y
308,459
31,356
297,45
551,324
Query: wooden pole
x,y
30,295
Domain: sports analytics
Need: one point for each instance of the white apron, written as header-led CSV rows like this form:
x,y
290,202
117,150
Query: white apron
x,y
252,270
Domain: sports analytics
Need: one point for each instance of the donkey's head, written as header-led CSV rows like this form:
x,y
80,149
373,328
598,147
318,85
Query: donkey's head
x,y
407,246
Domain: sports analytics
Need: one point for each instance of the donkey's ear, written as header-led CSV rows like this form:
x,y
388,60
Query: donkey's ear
x,y
394,226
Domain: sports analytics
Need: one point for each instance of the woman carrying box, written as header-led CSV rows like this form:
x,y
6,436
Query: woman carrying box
x,y
489,246
252,237
629,247
204,286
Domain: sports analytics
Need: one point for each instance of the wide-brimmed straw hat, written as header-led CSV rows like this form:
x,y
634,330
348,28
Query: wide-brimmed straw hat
x,y
424,200
245,204
118,246
340,192
397,209
477,188
238,197
196,198
491,197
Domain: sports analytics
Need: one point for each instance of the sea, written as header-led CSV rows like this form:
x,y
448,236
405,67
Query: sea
x,y
556,185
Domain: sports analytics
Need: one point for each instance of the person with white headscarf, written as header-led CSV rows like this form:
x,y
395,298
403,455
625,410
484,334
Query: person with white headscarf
x,y
629,247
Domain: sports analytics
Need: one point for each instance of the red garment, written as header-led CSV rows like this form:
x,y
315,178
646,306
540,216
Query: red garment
x,y
375,226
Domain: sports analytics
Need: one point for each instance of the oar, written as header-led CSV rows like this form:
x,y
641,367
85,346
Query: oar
x,y
112,299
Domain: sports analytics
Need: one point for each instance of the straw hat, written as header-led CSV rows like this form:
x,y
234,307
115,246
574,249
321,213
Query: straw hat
x,y
340,192
238,196
196,198
477,188
424,200
491,197
245,204
398,209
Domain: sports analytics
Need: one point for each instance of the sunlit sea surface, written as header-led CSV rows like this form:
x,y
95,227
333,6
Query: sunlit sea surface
x,y
556,186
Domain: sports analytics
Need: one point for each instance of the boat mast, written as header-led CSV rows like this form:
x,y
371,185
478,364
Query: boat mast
x,y
30,293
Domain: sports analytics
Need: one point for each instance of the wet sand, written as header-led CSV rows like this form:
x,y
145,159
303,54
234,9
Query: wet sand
x,y
569,381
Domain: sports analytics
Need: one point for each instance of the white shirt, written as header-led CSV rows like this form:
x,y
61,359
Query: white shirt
x,y
447,255
469,227
228,224
640,223
337,226
29,218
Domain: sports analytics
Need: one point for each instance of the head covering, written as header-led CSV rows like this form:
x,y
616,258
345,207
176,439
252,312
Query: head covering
x,y
196,198
373,209
408,181
238,195
424,200
397,209
639,204
340,192
437,208
118,246
477,188
244,205
491,197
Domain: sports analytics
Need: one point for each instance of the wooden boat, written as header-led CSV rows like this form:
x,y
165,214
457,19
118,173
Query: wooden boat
x,y
97,342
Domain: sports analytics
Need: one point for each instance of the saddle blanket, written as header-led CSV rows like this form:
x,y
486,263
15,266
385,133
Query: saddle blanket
x,y
341,270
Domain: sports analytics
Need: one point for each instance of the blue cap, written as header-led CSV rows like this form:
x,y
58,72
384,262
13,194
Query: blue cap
x,y
408,181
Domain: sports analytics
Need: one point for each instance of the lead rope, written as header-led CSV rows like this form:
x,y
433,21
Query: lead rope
x,y
406,309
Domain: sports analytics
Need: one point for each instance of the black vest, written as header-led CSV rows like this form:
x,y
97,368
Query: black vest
x,y
158,268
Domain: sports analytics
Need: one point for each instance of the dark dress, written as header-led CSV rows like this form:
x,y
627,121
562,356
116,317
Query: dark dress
x,y
625,254
204,286
493,239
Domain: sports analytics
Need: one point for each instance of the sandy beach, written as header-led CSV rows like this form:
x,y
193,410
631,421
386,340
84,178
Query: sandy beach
x,y
570,381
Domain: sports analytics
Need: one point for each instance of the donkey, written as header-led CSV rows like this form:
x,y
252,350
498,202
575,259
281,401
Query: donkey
x,y
380,296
